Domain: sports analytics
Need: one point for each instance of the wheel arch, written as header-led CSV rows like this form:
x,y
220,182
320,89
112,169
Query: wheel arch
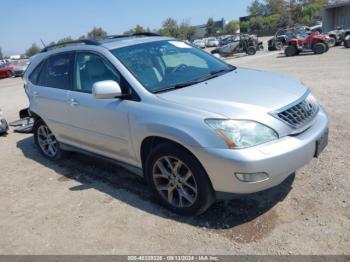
x,y
150,142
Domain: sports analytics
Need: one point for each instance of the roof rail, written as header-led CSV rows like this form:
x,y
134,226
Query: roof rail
x,y
147,34
81,41
136,34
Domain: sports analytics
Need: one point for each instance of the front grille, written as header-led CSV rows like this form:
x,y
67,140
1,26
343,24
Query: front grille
x,y
300,114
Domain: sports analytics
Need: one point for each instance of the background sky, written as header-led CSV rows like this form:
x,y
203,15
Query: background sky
x,y
23,22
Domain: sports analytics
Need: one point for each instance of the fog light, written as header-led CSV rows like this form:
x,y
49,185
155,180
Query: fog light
x,y
252,177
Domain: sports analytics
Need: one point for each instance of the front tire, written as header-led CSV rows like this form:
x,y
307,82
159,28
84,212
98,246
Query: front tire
x,y
178,180
251,50
46,141
319,48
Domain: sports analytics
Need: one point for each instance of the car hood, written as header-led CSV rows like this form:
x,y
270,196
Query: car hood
x,y
240,93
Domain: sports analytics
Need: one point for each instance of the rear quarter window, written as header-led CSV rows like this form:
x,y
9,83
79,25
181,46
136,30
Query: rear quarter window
x,y
33,77
56,71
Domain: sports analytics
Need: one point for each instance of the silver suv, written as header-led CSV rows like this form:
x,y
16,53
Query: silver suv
x,y
195,127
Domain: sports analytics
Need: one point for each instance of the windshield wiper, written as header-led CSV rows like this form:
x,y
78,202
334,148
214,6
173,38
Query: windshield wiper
x,y
211,75
181,85
226,70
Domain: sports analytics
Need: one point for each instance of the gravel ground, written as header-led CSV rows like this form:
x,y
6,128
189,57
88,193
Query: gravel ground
x,y
87,206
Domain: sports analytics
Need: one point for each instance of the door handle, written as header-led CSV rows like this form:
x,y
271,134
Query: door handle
x,y
35,94
74,102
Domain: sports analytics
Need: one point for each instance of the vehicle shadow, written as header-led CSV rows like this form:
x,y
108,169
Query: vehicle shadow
x,y
303,54
119,183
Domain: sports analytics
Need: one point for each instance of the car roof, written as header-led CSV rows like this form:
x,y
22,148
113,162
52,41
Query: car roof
x,y
110,42
115,43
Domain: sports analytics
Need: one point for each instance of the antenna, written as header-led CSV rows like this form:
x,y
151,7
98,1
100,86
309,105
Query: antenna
x,y
43,43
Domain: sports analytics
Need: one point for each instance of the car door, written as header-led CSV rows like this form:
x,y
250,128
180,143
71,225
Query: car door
x,y
48,92
98,125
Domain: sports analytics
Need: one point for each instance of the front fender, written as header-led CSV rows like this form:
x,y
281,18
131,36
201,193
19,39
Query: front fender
x,y
186,128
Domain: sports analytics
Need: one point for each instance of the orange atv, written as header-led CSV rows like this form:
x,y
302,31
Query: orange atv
x,y
307,42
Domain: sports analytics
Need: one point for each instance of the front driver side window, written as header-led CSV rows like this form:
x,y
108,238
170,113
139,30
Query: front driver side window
x,y
91,68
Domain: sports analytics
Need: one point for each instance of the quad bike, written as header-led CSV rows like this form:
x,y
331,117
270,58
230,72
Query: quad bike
x,y
242,43
337,36
280,39
314,42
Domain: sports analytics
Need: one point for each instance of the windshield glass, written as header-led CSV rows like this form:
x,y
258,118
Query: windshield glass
x,y
165,65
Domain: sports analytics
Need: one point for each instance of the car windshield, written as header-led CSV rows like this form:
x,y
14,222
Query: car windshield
x,y
166,65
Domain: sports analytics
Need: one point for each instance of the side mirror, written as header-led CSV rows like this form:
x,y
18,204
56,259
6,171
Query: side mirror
x,y
108,89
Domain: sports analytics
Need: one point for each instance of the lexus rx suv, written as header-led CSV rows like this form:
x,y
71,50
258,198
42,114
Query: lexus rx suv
x,y
196,128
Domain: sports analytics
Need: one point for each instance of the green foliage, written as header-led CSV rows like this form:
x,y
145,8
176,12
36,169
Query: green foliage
x,y
211,27
280,14
256,8
1,55
275,6
231,27
97,33
65,39
169,28
311,13
136,30
33,50
186,31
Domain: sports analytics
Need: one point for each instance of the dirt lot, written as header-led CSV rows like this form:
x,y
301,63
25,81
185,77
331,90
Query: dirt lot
x,y
84,206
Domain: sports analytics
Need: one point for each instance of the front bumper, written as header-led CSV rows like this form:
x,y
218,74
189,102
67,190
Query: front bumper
x,y
18,73
278,159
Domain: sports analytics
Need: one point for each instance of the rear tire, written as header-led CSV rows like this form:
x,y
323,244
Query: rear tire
x,y
347,41
291,50
178,180
46,141
319,48
251,50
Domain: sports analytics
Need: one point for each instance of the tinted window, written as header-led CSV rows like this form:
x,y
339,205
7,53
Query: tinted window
x,y
91,68
55,73
35,74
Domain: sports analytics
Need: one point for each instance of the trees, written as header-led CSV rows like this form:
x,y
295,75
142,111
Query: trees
x,y
137,30
169,27
231,27
1,55
97,33
256,8
34,49
275,6
281,13
186,31
211,27
64,39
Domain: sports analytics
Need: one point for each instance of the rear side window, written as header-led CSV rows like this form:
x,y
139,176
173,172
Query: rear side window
x,y
35,74
56,71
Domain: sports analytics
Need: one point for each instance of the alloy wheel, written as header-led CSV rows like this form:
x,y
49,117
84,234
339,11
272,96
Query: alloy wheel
x,y
175,182
47,141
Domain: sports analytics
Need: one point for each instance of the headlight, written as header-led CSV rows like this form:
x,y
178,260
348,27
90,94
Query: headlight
x,y
242,133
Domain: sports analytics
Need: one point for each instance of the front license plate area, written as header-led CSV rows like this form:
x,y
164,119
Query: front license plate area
x,y
321,143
